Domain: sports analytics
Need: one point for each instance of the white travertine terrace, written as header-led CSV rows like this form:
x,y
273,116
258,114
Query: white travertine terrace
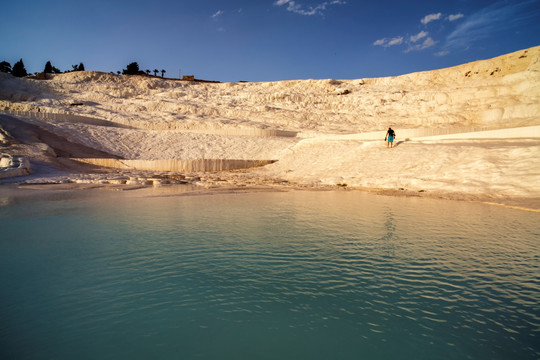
x,y
471,129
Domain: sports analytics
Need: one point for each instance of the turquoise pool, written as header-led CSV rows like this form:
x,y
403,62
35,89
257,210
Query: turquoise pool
x,y
296,275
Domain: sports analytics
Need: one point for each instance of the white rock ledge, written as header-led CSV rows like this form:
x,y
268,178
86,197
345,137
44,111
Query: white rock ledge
x,y
11,166
200,165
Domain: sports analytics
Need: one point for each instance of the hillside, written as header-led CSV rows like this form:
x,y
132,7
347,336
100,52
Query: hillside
x,y
149,118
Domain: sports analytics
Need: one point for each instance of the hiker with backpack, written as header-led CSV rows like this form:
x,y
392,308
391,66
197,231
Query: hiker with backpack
x,y
389,138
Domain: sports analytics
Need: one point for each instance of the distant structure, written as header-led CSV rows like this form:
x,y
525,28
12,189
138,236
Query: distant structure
x,y
40,76
188,77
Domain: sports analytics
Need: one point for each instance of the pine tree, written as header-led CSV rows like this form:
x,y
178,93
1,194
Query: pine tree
x,y
163,73
132,69
81,67
18,69
48,68
5,67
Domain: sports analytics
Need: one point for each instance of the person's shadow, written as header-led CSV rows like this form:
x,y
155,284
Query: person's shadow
x,y
401,142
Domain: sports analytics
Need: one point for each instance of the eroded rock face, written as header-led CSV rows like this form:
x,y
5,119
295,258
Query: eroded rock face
x,y
13,166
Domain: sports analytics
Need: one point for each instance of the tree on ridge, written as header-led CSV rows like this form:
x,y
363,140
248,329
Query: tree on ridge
x,y
19,69
48,68
132,69
155,72
163,73
5,67
79,67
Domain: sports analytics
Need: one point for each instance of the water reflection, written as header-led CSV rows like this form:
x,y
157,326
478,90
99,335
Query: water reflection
x,y
301,275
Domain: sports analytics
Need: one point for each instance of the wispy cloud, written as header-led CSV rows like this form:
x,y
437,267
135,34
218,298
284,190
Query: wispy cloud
x,y
442,53
455,17
421,40
395,41
412,41
389,42
499,17
221,17
217,14
292,6
427,43
422,34
431,17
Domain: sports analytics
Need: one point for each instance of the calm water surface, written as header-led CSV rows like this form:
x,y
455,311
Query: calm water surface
x,y
300,275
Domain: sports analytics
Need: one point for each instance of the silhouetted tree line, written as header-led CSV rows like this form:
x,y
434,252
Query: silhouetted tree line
x,y
79,67
49,69
133,69
19,70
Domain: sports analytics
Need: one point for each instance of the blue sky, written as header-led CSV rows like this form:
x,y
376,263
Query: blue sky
x,y
265,40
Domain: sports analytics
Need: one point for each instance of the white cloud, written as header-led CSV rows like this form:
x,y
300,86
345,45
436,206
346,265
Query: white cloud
x,y
455,17
496,18
429,42
217,14
292,6
389,42
430,18
420,35
442,53
395,41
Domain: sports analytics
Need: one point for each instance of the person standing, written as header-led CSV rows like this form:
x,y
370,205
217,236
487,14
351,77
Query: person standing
x,y
389,138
